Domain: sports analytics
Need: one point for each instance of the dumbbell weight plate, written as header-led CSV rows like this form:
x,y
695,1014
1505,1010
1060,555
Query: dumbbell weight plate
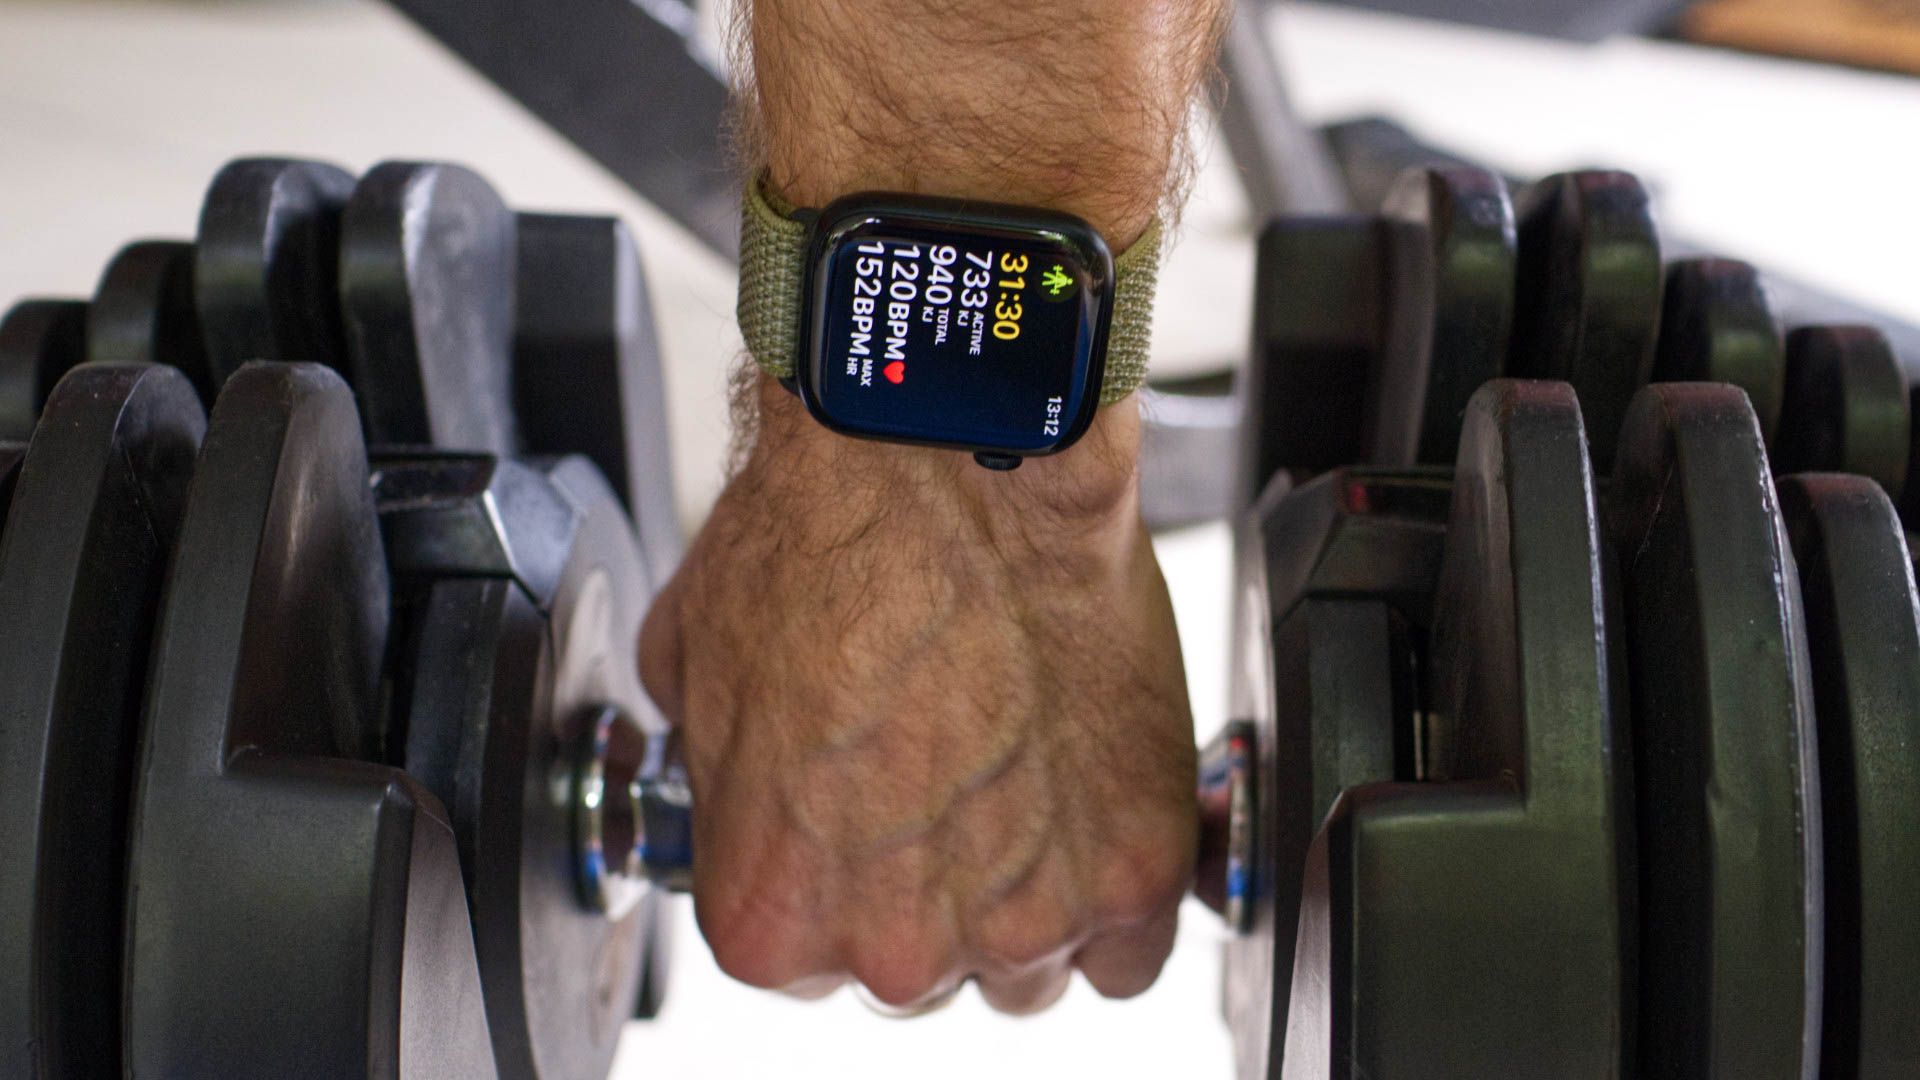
x,y
527,592
11,454
1909,498
266,264
1863,635
40,340
1846,406
1331,579
143,313
92,519
1318,327
587,372
290,904
1478,923
1728,807
1374,153
1450,281
1588,305
426,292
1716,325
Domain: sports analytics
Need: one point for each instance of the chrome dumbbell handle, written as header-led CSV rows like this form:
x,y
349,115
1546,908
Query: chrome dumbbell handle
x,y
665,843
632,814
633,817
1227,821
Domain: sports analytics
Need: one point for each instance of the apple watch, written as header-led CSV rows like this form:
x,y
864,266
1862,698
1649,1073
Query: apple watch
x,y
991,329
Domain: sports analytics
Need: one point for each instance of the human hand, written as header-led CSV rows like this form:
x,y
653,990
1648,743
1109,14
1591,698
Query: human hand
x,y
935,718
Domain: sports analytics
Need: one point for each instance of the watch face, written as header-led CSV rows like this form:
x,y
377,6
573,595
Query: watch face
x,y
976,327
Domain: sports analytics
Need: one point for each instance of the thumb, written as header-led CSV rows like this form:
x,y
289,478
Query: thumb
x,y
663,652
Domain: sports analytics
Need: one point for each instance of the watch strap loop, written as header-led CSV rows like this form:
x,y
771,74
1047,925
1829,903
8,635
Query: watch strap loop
x,y
1136,275
773,255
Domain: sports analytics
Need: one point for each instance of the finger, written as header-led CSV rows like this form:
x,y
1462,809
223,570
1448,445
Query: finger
x,y
763,934
662,652
925,1007
814,988
1028,993
1030,928
1123,963
907,1002
759,896
904,944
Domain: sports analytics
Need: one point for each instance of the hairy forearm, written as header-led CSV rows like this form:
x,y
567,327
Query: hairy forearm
x,y
1079,105
934,714
1075,105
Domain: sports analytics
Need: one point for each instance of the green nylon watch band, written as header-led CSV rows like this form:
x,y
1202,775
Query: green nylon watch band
x,y
773,250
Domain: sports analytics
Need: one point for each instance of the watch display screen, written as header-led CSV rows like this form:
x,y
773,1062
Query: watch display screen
x,y
956,333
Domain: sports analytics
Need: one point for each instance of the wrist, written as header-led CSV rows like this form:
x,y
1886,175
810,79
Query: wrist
x,y
1086,495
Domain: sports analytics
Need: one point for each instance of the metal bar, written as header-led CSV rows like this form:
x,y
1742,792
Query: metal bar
x,y
627,81
1283,164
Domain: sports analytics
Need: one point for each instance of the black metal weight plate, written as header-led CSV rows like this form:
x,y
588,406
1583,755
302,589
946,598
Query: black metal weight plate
x,y
143,313
1728,807
426,291
1909,498
1450,283
11,454
1318,327
587,373
1846,406
1373,153
292,908
92,520
1589,289
1479,923
1863,635
1332,587
527,589
40,340
1716,325
265,272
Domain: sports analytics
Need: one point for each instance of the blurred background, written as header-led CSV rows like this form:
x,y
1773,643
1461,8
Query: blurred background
x,y
1784,132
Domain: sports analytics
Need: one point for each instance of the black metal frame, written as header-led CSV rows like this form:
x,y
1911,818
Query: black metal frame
x,y
627,81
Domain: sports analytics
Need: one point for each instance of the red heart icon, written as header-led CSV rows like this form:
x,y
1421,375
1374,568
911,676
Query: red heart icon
x,y
896,373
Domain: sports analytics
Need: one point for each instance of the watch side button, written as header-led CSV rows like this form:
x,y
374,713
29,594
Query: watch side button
x,y
998,462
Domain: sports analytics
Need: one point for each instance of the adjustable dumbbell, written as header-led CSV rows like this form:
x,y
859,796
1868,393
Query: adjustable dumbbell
x,y
536,978
1753,823
1418,953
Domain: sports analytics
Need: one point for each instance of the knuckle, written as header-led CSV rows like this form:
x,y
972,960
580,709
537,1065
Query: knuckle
x,y
755,959
1125,986
1026,941
1030,998
1141,878
755,944
903,970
